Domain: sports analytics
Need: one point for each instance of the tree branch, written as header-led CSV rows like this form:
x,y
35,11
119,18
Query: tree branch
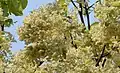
x,y
79,11
87,13
81,14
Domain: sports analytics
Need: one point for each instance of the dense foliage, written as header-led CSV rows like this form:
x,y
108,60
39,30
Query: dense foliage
x,y
57,43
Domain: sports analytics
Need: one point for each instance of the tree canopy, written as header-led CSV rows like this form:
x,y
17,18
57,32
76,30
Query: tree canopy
x,y
57,42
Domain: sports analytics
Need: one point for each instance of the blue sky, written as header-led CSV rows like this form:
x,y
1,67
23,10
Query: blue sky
x,y
32,4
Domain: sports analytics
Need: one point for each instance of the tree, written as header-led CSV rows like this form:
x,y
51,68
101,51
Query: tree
x,y
57,43
8,7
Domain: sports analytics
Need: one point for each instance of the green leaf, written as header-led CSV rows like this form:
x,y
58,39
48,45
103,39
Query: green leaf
x,y
15,8
18,13
8,22
5,8
95,23
23,3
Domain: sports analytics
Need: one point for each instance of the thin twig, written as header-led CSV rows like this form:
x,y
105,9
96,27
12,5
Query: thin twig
x,y
74,45
2,27
74,4
103,62
101,56
106,54
93,4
